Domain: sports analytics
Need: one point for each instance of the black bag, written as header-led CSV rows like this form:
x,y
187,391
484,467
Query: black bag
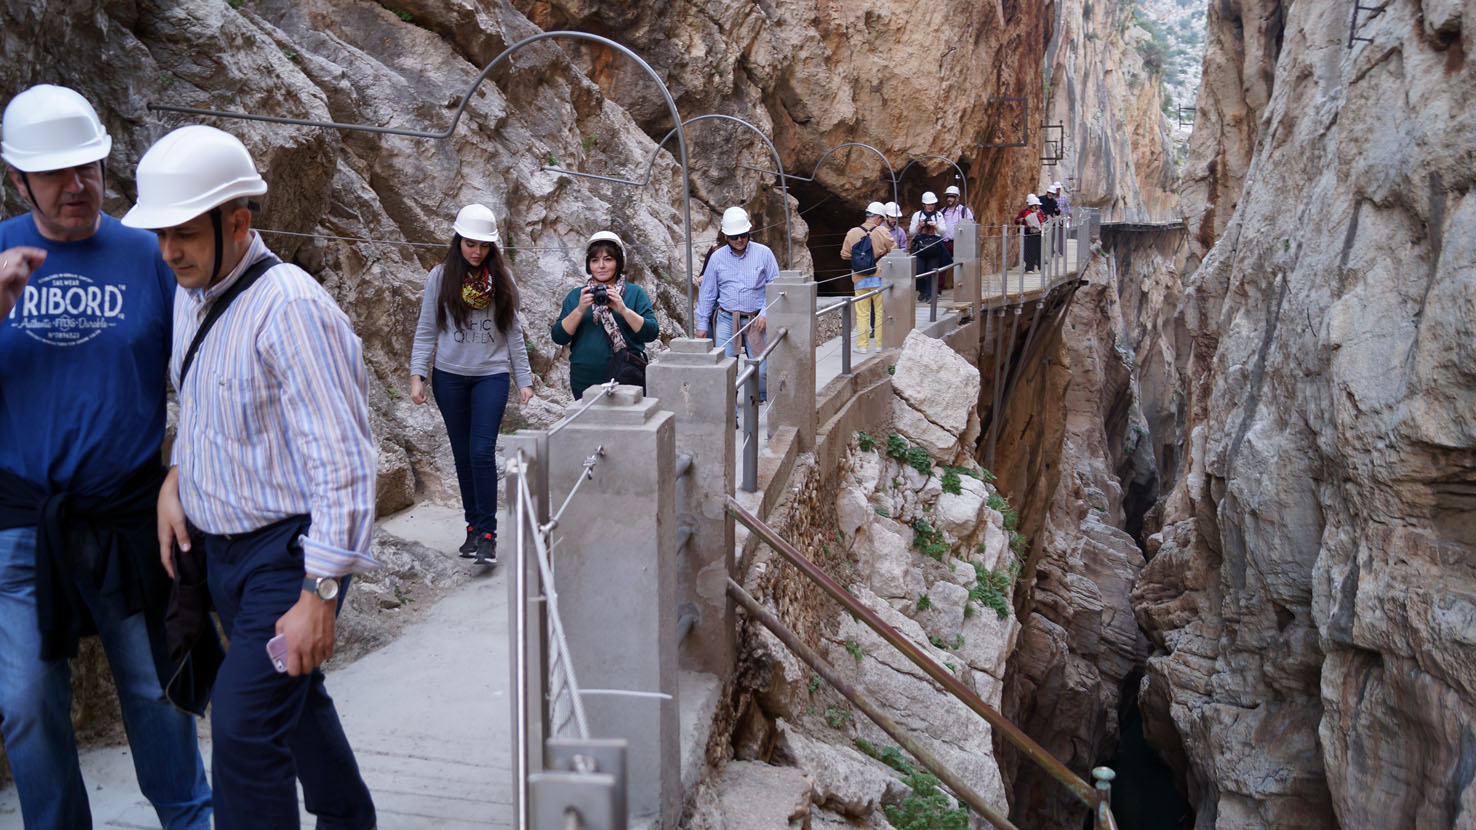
x,y
627,367
863,256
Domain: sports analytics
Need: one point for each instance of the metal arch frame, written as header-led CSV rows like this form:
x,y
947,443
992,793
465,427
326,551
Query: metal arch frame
x,y
811,177
461,109
788,238
964,197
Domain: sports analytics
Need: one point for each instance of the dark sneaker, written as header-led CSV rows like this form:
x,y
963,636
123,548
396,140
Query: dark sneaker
x,y
468,548
486,550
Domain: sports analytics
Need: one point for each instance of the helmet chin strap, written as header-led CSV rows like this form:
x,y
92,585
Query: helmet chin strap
x,y
215,222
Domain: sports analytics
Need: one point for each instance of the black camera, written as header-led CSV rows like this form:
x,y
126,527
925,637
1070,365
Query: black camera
x,y
601,295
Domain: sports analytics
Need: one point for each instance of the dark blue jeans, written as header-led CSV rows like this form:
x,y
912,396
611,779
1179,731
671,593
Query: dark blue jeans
x,y
269,729
36,709
472,408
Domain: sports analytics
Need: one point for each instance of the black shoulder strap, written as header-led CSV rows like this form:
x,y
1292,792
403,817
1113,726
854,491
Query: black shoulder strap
x,y
256,270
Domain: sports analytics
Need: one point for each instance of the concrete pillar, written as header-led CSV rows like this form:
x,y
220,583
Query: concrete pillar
x,y
694,382
899,315
615,573
792,366
970,272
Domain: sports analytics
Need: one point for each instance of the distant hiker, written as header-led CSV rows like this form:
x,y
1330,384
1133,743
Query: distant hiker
x,y
1032,220
85,322
469,326
607,321
733,285
927,245
274,469
953,213
864,247
1063,202
893,214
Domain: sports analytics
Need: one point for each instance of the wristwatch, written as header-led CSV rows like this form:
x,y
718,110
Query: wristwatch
x,y
323,587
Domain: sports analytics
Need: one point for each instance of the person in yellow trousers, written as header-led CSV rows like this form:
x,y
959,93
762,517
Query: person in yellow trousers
x,y
864,247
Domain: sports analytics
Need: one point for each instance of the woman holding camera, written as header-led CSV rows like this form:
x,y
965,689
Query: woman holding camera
x,y
607,320
468,322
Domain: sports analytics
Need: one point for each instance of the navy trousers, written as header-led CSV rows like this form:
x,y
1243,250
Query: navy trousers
x,y
270,730
472,408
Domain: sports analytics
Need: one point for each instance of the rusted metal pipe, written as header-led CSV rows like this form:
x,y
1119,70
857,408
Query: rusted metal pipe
x,y
1032,750
860,701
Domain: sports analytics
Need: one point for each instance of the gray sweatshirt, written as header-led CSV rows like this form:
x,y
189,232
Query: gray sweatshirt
x,y
479,349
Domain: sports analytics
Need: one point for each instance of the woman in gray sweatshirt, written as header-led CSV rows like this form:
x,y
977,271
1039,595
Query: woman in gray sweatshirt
x,y
469,326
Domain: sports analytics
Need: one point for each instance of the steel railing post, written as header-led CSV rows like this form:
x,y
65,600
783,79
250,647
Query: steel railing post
x,y
935,283
750,430
845,314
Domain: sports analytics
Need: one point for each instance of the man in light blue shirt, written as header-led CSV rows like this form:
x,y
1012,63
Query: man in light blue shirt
x,y
734,284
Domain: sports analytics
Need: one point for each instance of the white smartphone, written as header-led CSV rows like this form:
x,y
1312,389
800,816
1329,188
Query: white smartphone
x,y
277,651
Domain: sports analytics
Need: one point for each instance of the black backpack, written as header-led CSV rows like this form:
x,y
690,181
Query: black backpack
x,y
863,256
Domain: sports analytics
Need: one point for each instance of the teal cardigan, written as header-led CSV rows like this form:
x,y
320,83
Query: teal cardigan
x,y
591,348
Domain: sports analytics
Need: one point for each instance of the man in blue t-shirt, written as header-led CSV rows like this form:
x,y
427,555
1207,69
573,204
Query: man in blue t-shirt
x,y
85,327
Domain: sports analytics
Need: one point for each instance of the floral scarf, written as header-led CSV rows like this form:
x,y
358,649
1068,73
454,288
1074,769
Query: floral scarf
x,y
605,317
476,288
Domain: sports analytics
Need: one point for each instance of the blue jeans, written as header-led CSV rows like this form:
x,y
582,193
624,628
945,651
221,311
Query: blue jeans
x,y
472,409
753,342
36,709
270,730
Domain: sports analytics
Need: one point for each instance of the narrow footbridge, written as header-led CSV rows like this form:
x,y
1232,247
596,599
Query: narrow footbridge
x,y
634,516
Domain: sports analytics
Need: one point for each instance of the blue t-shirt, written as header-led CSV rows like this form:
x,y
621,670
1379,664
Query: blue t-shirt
x,y
84,357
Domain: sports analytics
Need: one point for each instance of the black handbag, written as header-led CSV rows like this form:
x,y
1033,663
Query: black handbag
x,y
627,367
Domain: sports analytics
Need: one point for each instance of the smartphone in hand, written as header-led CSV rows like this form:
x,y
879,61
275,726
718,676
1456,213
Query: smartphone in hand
x,y
277,651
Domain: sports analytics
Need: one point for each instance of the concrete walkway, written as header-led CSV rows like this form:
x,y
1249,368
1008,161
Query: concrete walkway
x,y
427,714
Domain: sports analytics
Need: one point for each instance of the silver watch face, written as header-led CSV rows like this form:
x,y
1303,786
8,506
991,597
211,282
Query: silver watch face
x,y
326,588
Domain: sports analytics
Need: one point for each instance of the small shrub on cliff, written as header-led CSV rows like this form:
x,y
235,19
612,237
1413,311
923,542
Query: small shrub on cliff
x,y
918,459
929,540
924,602
866,442
952,484
896,447
927,808
1011,518
1018,542
993,588
853,648
838,717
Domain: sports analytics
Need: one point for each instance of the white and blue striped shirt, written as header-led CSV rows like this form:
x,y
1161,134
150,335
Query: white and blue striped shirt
x,y
274,417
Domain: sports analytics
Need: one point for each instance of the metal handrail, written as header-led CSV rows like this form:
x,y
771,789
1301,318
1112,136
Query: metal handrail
x,y
816,171
963,197
606,389
466,99
1084,792
756,315
930,761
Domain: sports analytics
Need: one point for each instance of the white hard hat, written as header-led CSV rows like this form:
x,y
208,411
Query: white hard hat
x,y
893,210
1056,187
606,236
876,209
477,222
188,172
951,191
1032,199
51,128
735,221
930,198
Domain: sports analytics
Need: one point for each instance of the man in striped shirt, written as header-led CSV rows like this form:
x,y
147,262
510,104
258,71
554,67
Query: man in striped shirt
x,y
274,464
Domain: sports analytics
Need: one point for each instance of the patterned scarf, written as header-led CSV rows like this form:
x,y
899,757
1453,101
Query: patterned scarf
x,y
476,288
604,316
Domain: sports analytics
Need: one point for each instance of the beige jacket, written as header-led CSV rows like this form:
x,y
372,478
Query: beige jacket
x,y
881,244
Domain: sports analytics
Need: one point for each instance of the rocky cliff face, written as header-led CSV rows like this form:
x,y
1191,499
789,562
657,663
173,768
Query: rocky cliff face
x,y
908,80
357,62
1311,599
1107,94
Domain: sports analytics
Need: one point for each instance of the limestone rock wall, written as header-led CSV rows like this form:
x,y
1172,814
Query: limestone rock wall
x,y
910,80
1117,143
1075,457
1311,600
358,62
